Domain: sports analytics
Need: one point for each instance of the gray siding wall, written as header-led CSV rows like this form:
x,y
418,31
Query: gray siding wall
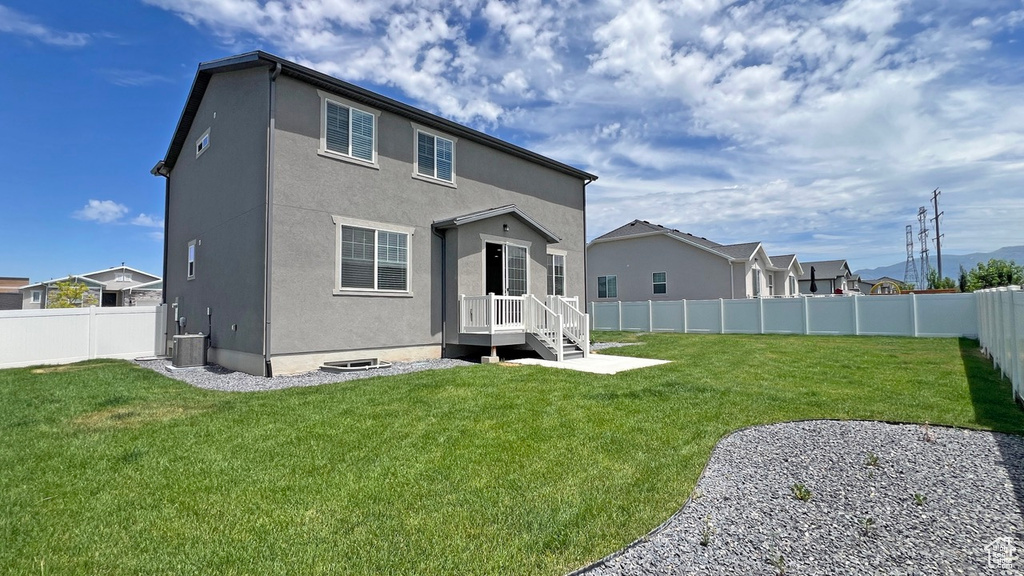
x,y
309,189
219,199
691,273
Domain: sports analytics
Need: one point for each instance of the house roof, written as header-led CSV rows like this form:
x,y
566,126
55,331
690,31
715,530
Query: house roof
x,y
825,269
154,285
499,211
259,58
122,267
80,278
786,261
638,228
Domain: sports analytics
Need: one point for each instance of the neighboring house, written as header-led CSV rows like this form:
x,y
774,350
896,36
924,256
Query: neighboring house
x,y
10,296
117,286
831,277
310,220
885,285
643,261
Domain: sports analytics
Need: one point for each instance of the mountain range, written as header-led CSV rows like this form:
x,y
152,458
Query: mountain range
x,y
951,263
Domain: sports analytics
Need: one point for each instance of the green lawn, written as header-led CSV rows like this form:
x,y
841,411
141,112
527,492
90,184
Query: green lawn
x,y
110,468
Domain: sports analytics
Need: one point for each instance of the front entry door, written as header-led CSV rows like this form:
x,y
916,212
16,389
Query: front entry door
x,y
505,273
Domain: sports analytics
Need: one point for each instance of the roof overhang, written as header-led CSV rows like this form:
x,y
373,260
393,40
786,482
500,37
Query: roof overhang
x,y
510,209
668,234
76,278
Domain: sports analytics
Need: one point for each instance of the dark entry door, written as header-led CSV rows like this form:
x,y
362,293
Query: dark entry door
x,y
494,275
109,299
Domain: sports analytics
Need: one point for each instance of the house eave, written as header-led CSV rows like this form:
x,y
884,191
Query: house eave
x,y
509,209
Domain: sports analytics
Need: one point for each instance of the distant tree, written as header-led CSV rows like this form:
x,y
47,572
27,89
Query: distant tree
x,y
936,283
70,293
994,274
963,279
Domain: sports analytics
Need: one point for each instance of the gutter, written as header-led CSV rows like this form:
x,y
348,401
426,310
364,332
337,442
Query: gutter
x,y
269,213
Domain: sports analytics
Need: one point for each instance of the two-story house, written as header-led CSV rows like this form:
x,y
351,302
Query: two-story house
x,y
644,261
309,220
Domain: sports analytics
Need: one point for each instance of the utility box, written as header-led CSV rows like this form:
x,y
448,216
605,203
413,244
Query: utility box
x,y
189,351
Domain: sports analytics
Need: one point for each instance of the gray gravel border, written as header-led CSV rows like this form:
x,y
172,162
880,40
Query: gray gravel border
x,y
214,377
862,516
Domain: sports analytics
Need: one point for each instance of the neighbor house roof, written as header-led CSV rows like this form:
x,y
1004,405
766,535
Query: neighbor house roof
x,y
122,267
639,228
499,211
786,261
290,69
825,269
79,278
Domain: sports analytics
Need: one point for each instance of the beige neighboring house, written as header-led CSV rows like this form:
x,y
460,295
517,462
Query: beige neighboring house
x,y
831,277
643,261
118,286
10,297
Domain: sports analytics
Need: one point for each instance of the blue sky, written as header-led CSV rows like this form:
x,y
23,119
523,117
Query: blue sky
x,y
814,127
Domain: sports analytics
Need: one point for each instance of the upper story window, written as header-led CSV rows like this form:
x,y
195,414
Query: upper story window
x,y
191,260
660,283
372,257
203,143
606,287
435,156
123,277
556,274
348,131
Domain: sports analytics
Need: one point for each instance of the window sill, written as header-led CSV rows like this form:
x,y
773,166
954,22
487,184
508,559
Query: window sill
x,y
432,180
347,159
371,293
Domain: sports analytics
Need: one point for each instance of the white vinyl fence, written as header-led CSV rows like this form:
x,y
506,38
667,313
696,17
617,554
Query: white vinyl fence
x,y
57,336
937,315
1001,331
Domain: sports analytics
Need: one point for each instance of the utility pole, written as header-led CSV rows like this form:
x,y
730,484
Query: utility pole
x,y
938,236
910,271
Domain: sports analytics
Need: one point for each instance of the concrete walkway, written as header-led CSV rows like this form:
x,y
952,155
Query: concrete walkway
x,y
595,364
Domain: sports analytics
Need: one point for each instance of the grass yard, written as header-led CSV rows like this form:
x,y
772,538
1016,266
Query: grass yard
x,y
110,468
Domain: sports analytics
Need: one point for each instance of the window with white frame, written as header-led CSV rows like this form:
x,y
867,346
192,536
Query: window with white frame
x,y
660,283
606,287
755,282
123,277
435,156
556,274
347,131
771,283
792,285
191,260
37,296
203,143
372,257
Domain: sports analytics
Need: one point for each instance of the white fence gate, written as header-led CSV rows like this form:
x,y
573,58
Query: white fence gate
x,y
1001,331
57,336
937,315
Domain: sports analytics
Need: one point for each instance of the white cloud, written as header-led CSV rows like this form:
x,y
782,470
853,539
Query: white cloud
x,y
13,22
148,220
783,122
102,211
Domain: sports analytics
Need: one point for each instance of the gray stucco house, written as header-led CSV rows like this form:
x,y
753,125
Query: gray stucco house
x,y
830,277
643,261
117,286
309,220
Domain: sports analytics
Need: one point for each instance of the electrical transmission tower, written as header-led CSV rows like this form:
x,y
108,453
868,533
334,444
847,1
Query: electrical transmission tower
x,y
922,237
910,272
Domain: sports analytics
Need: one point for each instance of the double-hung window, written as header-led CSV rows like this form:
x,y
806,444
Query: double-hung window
x,y
660,283
606,287
755,282
771,283
792,285
556,274
191,260
435,156
347,132
372,257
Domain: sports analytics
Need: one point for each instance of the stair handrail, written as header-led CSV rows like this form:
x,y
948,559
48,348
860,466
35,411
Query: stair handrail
x,y
575,324
544,323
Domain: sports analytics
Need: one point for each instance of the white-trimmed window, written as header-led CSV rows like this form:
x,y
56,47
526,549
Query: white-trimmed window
x,y
191,260
660,282
434,156
755,282
123,277
771,283
556,274
792,285
606,287
203,143
37,296
347,130
372,257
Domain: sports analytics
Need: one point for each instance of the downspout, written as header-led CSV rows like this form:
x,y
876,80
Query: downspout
x,y
732,278
267,260
583,297
444,290
161,170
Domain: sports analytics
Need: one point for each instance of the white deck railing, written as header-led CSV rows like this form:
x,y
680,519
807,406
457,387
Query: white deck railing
x,y
490,314
575,324
544,323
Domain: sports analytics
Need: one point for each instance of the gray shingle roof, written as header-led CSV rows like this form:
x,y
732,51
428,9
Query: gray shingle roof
x,y
745,250
825,269
643,227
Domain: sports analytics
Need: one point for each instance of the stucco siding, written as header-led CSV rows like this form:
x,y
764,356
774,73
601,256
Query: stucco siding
x,y
310,189
218,200
691,273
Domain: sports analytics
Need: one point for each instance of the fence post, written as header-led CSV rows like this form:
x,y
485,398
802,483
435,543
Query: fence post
x,y
913,311
650,316
721,315
685,320
760,315
856,316
593,316
807,321
93,339
620,316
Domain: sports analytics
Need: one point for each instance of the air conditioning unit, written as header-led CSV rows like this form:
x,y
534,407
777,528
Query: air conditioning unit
x,y
189,351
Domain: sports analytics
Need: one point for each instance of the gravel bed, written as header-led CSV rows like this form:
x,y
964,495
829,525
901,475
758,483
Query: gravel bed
x,y
862,516
215,377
